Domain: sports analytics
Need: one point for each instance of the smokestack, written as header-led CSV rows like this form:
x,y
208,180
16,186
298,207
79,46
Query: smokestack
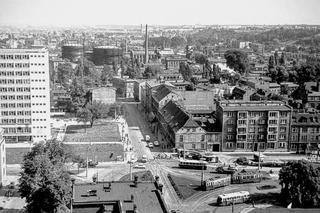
x,y
146,46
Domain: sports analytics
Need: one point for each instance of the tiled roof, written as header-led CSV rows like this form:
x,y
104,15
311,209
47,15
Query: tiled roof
x,y
175,116
305,119
161,92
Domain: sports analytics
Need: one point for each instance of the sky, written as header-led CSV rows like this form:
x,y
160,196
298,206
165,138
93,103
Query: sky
x,y
158,12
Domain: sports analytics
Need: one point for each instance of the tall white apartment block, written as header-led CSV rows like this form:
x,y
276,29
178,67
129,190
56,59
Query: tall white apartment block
x,y
2,158
24,95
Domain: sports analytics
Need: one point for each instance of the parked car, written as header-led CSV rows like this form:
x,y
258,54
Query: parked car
x,y
226,169
150,145
242,161
156,143
147,138
139,166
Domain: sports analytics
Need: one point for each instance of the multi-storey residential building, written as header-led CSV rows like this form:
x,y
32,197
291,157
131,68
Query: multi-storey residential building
x,y
254,125
305,132
24,95
2,158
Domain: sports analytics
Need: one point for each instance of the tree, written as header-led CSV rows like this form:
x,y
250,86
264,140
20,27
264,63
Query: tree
x,y
200,58
282,60
237,60
79,95
300,184
93,111
65,73
44,182
185,71
177,41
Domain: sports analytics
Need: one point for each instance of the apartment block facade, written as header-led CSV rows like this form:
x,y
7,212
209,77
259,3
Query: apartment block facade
x,y
24,95
254,125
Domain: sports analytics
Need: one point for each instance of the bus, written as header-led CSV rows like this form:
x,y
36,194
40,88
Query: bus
x,y
233,198
193,164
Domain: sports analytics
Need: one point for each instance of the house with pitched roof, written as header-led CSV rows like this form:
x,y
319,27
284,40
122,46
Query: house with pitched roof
x,y
180,129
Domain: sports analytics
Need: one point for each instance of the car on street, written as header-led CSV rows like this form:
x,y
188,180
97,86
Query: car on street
x,y
150,145
226,169
156,143
139,166
147,138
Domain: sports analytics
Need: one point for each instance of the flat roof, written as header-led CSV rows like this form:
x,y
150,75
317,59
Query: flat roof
x,y
235,105
144,195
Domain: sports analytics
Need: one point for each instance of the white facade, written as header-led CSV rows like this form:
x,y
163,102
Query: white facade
x,y
3,171
24,95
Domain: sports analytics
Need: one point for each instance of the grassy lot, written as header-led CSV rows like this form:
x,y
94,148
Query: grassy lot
x,y
142,176
97,152
100,132
15,155
184,187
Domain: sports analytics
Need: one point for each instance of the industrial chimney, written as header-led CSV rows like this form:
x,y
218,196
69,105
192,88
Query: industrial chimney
x,y
146,46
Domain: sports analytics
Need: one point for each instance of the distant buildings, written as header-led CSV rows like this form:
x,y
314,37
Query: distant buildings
x,y
24,95
119,196
106,95
254,125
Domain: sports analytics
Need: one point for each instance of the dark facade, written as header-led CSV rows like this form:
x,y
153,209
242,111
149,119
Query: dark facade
x,y
107,55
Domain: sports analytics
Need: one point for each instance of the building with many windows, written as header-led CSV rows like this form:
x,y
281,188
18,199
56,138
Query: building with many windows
x,y
254,125
305,132
24,95
2,158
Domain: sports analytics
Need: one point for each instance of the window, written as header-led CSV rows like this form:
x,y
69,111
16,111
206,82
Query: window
x,y
304,137
273,121
260,137
240,145
193,146
283,114
283,121
230,114
202,137
181,138
230,121
242,122
273,114
202,146
251,129
242,115
229,145
229,130
305,130
282,136
294,129
262,121
283,129
251,136
252,122
272,137
229,137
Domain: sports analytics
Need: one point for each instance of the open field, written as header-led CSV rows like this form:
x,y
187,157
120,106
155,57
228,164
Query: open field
x,y
100,132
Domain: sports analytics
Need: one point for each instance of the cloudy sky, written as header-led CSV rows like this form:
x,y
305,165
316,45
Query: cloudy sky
x,y
159,12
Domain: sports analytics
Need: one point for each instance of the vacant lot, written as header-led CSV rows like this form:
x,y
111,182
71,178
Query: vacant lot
x,y
15,155
97,152
100,132
184,187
